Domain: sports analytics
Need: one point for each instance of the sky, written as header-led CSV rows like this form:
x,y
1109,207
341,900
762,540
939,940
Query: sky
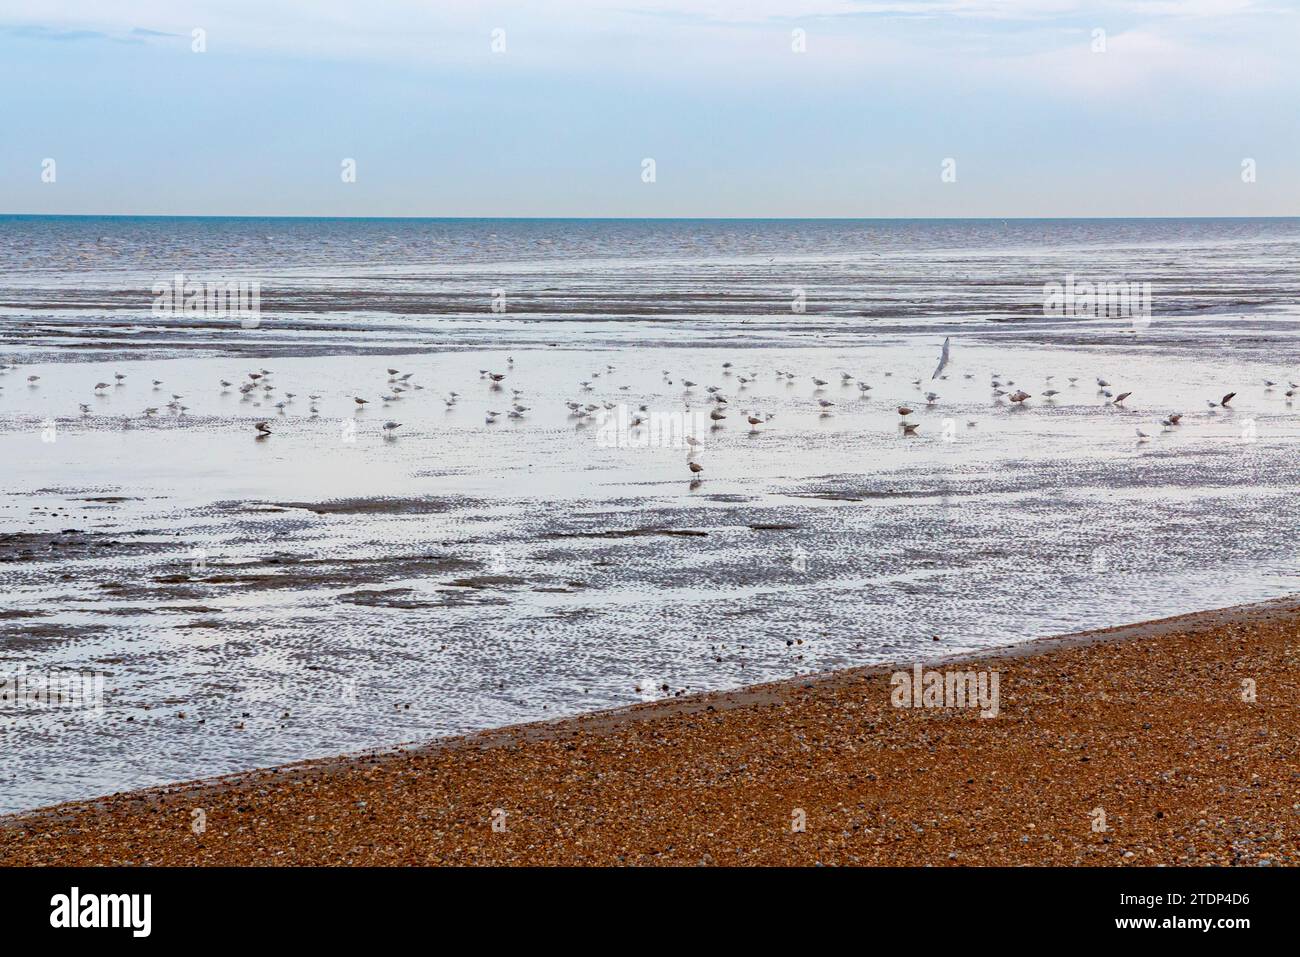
x,y
782,108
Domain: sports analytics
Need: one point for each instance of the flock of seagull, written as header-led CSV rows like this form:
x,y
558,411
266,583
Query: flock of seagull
x,y
260,388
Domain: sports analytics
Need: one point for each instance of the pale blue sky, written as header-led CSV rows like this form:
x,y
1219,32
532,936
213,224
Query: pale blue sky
x,y
737,123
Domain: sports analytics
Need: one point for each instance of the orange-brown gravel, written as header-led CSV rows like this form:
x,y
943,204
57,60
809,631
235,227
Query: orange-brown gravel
x,y
1146,722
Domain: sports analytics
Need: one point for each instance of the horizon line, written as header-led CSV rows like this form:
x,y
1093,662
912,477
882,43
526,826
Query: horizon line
x,y
572,218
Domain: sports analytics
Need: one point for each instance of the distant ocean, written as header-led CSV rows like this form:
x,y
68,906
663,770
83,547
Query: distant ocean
x,y
886,270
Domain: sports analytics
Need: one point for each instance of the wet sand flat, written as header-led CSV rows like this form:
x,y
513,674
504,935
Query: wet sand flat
x,y
1136,745
329,590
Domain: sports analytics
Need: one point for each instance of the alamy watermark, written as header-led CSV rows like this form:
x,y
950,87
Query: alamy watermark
x,y
183,298
1074,299
919,688
25,690
621,428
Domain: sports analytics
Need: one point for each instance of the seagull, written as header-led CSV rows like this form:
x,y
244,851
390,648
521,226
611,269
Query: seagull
x,y
943,359
1020,395
695,467
1142,436
904,410
391,427
85,409
1121,397
263,430
717,415
360,401
818,382
98,385
1175,418
491,417
826,403
1222,402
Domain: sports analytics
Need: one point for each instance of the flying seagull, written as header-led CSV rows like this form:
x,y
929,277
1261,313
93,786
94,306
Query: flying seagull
x,y
943,358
